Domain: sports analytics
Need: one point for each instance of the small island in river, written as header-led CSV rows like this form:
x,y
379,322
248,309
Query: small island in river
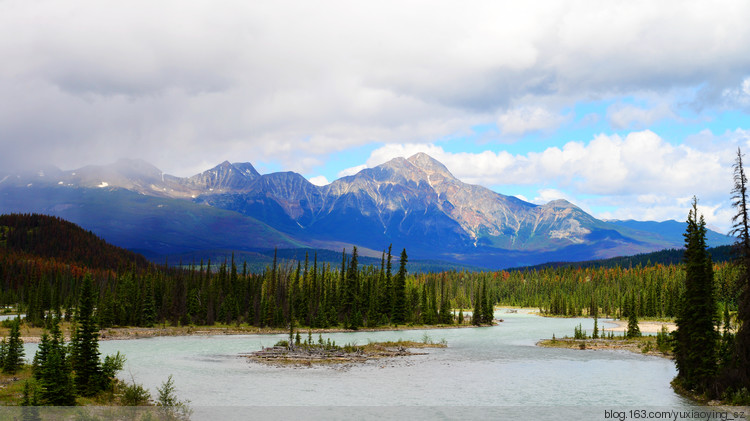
x,y
326,352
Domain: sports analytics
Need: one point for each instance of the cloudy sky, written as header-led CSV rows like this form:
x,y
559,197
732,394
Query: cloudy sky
x,y
626,108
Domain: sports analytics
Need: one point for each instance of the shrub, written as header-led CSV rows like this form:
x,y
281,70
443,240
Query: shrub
x,y
134,395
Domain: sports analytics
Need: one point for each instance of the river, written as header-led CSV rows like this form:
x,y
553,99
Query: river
x,y
495,372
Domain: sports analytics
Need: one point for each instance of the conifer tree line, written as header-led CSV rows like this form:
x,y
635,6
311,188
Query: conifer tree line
x,y
712,363
307,293
349,295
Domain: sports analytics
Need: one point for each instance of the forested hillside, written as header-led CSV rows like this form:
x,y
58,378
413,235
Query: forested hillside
x,y
310,293
718,254
54,238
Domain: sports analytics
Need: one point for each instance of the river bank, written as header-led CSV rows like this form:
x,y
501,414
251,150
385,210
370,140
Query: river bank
x,y
33,335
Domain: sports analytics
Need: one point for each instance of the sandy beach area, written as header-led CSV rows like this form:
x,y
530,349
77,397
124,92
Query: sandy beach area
x,y
646,327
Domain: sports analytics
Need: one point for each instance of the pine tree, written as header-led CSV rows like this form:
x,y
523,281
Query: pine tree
x,y
740,373
148,309
351,305
53,370
399,292
86,348
595,335
726,347
634,331
387,302
12,360
30,402
696,338
488,313
476,315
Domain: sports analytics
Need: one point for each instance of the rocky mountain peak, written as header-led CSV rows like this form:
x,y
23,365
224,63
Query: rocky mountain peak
x,y
247,169
223,177
429,164
561,203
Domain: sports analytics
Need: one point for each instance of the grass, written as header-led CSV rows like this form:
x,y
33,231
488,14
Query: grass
x,y
11,386
642,345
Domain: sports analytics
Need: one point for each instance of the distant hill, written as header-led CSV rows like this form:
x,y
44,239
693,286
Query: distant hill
x,y
673,231
664,257
258,261
54,238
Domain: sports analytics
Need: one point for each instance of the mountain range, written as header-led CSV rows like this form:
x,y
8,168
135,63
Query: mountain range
x,y
412,202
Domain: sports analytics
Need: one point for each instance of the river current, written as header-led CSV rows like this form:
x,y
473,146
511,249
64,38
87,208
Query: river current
x,y
495,372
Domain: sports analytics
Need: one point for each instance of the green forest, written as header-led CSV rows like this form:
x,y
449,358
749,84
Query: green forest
x,y
43,261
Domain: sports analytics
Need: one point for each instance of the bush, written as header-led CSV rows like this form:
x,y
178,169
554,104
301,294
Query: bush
x,y
134,395
579,333
663,340
112,364
171,407
738,397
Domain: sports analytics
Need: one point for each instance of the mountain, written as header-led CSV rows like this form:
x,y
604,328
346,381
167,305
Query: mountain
x,y
151,225
673,231
414,202
53,238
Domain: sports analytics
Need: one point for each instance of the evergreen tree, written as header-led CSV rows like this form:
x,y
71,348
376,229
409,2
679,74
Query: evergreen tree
x,y
388,287
148,309
476,316
726,347
696,338
12,360
30,401
399,292
53,370
595,335
740,372
350,304
488,308
85,343
634,331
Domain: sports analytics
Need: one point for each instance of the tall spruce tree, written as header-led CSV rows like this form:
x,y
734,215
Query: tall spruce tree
x,y
488,313
388,286
696,337
12,360
351,305
739,374
476,315
634,331
86,362
399,292
53,370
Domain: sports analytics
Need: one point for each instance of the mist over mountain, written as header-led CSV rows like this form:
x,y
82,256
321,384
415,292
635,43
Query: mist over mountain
x,y
412,202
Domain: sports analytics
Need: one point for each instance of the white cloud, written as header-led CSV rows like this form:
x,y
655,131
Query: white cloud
x,y
319,180
738,96
87,82
622,116
351,171
525,119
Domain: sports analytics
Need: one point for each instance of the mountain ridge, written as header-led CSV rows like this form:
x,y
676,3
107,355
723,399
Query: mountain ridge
x,y
414,202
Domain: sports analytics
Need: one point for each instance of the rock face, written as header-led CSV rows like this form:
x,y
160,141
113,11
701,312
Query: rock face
x,y
410,202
